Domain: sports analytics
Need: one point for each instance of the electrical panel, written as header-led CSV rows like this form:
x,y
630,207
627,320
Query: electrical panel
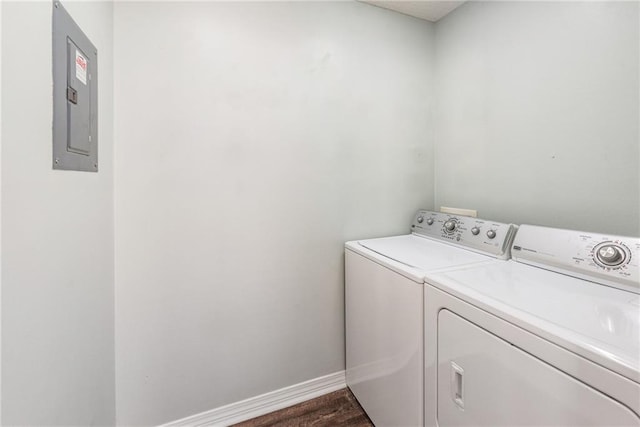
x,y
75,95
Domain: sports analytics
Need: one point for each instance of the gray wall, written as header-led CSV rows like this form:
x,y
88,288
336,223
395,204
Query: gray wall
x,y
57,235
538,111
253,139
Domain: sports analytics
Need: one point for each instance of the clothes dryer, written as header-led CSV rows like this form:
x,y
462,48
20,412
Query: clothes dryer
x,y
550,338
384,294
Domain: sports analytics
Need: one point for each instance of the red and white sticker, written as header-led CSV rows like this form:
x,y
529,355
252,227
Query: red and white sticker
x,y
81,67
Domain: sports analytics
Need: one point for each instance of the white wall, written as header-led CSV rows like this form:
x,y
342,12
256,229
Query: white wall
x,y
0,213
57,235
538,111
253,139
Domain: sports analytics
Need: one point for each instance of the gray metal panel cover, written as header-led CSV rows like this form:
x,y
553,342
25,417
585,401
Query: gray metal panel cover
x,y
75,95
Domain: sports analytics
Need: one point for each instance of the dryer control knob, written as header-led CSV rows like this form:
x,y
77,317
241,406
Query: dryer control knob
x,y
475,231
450,225
429,221
491,234
420,219
610,255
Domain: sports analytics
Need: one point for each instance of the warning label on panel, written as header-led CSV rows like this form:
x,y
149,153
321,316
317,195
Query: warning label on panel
x,y
81,67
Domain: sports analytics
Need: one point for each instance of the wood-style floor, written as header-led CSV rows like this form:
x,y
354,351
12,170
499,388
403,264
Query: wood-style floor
x,y
339,408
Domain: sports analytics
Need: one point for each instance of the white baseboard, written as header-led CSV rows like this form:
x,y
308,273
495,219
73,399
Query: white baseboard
x,y
264,403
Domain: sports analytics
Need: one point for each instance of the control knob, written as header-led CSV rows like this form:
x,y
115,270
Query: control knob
x,y
491,234
475,231
450,225
420,219
429,221
610,254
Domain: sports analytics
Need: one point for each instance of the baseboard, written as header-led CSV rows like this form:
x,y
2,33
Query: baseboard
x,y
264,403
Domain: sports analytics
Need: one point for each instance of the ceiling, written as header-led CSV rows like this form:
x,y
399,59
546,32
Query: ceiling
x,y
430,10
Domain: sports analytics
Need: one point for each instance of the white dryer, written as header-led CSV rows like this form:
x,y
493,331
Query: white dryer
x,y
550,338
384,294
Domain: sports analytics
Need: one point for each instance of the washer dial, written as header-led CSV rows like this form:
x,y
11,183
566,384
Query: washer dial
x,y
450,226
610,254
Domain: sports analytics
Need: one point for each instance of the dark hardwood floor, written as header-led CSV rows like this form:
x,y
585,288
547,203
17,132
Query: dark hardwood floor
x,y
339,408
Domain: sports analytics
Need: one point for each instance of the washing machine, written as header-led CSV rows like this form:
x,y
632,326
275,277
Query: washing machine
x,y
549,338
384,303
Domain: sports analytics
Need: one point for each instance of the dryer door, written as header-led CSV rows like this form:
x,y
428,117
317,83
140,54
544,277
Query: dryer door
x,y
484,380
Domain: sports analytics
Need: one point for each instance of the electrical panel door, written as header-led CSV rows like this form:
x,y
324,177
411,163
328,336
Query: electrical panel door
x,y
75,93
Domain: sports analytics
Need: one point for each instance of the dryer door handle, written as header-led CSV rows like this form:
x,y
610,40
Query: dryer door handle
x,y
457,385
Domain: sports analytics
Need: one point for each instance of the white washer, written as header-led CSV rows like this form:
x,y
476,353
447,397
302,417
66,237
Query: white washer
x,y
384,306
550,338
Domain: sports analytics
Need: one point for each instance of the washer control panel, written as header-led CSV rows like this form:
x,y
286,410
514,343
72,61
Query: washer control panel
x,y
488,237
605,259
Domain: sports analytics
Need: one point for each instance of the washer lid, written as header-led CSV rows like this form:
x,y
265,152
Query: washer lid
x,y
420,252
600,323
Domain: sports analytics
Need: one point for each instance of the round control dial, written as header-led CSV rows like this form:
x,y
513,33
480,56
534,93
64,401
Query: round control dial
x,y
429,221
420,219
475,231
450,226
491,234
610,254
